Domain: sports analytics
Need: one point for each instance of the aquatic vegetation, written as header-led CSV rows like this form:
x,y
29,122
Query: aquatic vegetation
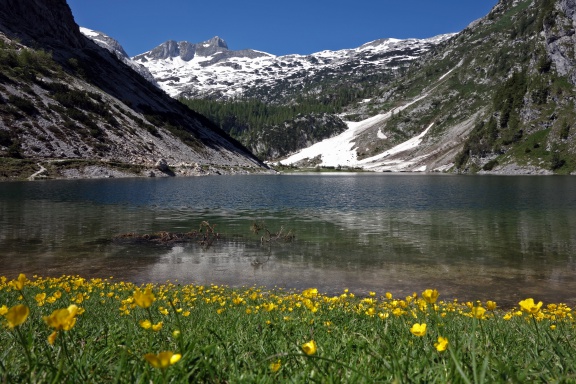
x,y
71,329
270,236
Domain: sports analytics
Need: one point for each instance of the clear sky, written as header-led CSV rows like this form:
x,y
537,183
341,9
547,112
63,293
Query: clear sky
x,y
279,27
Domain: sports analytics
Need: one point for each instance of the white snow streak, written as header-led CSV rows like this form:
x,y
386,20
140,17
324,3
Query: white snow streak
x,y
341,150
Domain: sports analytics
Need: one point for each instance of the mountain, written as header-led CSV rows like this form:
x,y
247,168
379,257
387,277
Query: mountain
x,y
499,97
114,46
73,109
276,105
210,70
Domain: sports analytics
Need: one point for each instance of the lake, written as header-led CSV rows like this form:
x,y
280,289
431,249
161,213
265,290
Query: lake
x,y
503,238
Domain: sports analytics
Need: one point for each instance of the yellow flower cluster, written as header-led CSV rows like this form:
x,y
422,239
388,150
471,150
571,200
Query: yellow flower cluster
x,y
151,307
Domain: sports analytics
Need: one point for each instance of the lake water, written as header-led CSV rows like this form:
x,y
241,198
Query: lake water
x,y
470,237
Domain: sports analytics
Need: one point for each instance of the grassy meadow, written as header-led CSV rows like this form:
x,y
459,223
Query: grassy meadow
x,y
73,330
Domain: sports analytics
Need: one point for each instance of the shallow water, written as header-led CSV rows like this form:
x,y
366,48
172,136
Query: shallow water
x,y
471,237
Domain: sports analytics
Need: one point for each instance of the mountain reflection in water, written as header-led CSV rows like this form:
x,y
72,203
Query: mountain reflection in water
x,y
479,237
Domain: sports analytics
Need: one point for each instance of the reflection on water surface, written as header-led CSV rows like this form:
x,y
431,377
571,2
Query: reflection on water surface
x,y
500,238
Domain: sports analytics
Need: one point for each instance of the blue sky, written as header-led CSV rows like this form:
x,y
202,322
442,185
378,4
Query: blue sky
x,y
277,27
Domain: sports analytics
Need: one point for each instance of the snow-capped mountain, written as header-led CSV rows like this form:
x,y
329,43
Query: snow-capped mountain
x,y
114,46
210,69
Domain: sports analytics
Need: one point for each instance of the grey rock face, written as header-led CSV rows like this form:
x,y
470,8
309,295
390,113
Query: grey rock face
x,y
187,51
560,42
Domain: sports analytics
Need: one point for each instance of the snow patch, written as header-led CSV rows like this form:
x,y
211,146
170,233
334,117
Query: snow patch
x,y
88,32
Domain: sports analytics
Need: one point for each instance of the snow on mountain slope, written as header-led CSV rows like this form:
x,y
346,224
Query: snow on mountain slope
x,y
114,46
341,150
211,69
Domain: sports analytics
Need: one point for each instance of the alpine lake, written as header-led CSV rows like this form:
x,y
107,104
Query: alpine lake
x,y
502,238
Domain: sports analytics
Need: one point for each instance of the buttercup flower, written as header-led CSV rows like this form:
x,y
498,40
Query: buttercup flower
x,y
491,305
442,344
17,315
19,282
310,292
275,366
63,319
143,299
40,298
430,295
3,310
52,337
529,306
418,329
478,312
163,359
309,348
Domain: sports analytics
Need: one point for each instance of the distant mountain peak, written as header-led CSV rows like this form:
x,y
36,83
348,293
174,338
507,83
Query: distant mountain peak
x,y
216,41
184,50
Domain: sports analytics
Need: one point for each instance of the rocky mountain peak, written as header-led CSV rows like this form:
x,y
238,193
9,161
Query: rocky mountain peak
x,y
216,42
184,50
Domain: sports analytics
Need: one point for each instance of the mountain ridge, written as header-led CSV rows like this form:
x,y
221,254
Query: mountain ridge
x,y
210,70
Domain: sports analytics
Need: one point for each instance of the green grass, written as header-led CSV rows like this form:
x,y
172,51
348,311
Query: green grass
x,y
251,335
16,169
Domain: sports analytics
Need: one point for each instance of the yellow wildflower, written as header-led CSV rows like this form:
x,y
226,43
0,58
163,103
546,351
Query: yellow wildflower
x,y
442,344
275,366
40,298
309,348
146,324
3,310
156,327
62,319
430,295
478,312
163,359
529,306
311,292
17,315
418,329
143,299
383,315
19,282
491,305
52,337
